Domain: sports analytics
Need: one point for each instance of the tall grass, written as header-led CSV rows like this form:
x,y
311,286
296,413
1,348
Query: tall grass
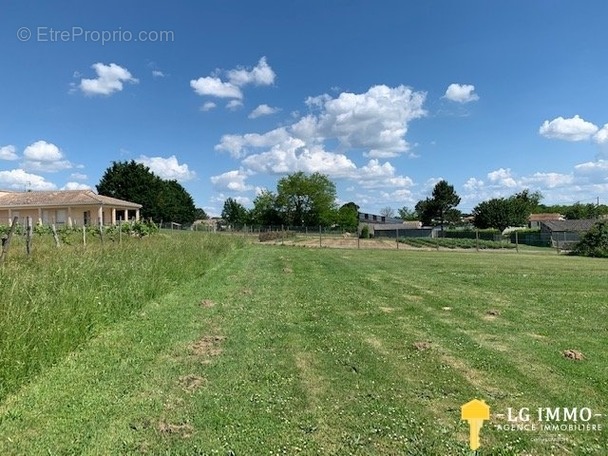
x,y
54,301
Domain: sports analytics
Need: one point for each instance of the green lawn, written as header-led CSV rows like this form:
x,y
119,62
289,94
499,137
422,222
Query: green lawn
x,y
290,350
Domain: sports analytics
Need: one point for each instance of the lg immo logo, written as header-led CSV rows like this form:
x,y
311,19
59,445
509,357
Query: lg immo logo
x,y
526,419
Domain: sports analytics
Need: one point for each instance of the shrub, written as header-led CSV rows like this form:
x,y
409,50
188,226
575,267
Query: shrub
x,y
364,232
595,242
274,235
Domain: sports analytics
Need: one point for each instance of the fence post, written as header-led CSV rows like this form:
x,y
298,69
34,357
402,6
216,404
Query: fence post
x,y
84,235
397,237
282,234
119,231
516,242
477,239
320,242
100,230
28,235
6,240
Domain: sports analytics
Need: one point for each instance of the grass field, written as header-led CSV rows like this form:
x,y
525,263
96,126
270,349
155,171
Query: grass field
x,y
291,350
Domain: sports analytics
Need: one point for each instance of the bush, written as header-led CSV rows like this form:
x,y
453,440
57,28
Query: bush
x,y
274,235
595,242
364,232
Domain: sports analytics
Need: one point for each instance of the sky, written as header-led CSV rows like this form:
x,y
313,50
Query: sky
x,y
386,97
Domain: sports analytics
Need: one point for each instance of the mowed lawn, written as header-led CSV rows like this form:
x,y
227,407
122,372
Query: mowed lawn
x,y
291,350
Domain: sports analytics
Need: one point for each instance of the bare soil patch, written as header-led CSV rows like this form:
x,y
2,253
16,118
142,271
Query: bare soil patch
x,y
182,430
191,382
207,303
247,291
387,309
207,346
573,355
287,270
422,345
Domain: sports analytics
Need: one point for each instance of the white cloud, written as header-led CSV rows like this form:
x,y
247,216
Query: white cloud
x,y
208,106
376,175
263,110
79,176
158,74
375,121
473,184
548,180
573,129
261,74
220,198
214,87
234,105
601,137
167,168
75,186
502,177
19,179
233,181
240,145
110,79
8,153
43,156
461,93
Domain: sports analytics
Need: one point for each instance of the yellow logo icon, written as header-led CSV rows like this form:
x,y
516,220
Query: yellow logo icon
x,y
475,412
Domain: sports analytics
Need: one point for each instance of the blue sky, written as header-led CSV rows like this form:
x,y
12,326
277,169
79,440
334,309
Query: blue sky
x,y
385,97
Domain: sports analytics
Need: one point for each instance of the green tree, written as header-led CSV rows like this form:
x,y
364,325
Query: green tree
x,y
426,210
501,213
160,199
445,199
234,212
306,199
265,211
595,241
348,216
405,213
200,214
582,211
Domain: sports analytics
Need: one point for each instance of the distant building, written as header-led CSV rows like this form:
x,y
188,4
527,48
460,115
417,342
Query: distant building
x,y
535,220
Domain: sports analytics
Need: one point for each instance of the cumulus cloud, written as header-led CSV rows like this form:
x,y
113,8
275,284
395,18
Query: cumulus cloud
x,y
572,129
261,74
263,110
234,105
375,122
547,180
233,181
79,176
208,106
42,156
461,93
8,153
110,79
19,179
601,137
214,86
502,177
167,168
158,74
240,145
75,186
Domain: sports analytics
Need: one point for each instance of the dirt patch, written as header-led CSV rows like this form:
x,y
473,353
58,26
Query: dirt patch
x,y
182,430
191,382
247,291
207,346
287,270
491,314
207,303
422,345
387,309
573,355
446,308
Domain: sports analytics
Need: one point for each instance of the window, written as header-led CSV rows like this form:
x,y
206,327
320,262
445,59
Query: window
x,y
61,216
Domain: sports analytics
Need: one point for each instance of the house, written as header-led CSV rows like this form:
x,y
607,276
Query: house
x,y
535,220
563,233
66,207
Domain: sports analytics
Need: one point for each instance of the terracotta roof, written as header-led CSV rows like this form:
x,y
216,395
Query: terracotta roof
x,y
60,198
570,225
544,216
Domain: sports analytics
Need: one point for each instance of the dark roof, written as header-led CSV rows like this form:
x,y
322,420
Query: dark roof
x,y
569,225
60,198
544,216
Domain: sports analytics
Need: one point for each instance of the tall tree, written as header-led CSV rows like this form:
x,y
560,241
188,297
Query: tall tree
x,y
445,199
200,214
265,211
426,210
307,199
234,212
348,216
161,200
